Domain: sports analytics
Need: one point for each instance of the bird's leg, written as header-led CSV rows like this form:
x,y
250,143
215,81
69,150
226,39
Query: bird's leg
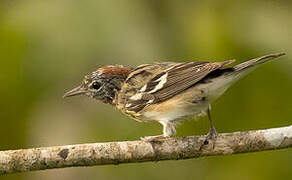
x,y
212,132
212,135
168,131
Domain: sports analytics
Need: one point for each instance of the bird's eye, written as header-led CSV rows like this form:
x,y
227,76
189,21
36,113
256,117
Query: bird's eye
x,y
96,85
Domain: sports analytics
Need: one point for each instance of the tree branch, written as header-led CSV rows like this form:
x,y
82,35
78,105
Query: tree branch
x,y
138,151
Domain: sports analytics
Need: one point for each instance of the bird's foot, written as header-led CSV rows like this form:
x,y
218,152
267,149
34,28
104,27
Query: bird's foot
x,y
211,138
153,138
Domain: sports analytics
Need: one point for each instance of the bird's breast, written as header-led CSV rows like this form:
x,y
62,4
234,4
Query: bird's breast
x,y
188,104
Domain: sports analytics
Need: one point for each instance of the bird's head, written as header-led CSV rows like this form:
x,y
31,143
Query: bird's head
x,y
102,84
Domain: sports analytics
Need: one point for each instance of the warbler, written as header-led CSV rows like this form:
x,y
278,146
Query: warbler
x,y
165,92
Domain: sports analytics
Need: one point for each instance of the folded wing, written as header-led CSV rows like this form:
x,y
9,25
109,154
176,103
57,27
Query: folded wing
x,y
150,84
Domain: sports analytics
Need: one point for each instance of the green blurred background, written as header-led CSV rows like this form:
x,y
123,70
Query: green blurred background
x,y
47,46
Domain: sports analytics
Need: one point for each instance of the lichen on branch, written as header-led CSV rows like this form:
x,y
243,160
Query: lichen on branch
x,y
94,154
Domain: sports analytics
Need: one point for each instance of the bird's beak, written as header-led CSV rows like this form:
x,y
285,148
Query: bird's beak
x,y
74,92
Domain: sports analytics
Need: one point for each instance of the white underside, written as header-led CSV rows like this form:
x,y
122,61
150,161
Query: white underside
x,y
179,113
186,110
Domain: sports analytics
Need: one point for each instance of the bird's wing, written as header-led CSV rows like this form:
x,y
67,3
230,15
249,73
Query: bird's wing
x,y
150,84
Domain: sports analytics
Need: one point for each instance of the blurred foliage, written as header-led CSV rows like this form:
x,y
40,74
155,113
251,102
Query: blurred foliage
x,y
47,46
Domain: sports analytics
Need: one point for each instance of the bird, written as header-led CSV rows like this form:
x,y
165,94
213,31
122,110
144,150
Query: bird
x,y
166,92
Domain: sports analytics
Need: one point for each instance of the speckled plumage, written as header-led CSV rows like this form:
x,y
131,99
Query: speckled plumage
x,y
166,92
176,78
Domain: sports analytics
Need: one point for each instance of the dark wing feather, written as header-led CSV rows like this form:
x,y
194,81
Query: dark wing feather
x,y
163,81
182,77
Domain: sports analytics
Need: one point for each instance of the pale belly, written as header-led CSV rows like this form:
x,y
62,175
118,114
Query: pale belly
x,y
190,104
175,113
184,106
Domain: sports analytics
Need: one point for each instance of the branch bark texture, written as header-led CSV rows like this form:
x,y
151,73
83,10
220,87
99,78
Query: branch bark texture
x,y
22,160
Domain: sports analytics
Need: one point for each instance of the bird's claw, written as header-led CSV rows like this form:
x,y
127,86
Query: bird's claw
x,y
211,137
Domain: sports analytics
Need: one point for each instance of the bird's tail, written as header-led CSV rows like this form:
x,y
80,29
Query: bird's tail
x,y
255,62
238,71
226,76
